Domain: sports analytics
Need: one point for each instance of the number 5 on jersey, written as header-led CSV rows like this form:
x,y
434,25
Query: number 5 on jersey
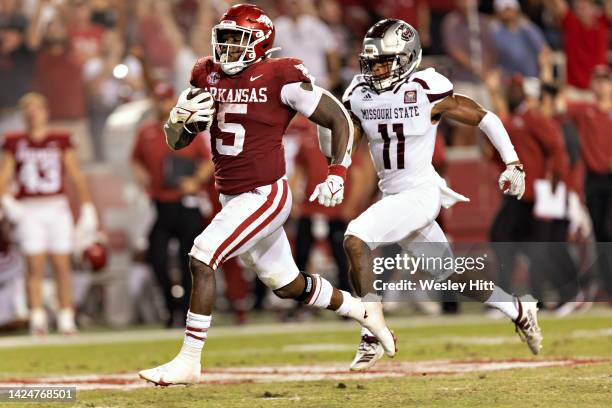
x,y
235,128
398,129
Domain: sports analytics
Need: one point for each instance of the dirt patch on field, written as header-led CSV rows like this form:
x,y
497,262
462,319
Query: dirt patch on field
x,y
269,374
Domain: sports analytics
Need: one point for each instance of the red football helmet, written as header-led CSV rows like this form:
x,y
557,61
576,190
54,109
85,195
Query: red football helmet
x,y
244,35
95,256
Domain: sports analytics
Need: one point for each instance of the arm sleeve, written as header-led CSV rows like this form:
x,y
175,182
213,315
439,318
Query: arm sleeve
x,y
493,127
300,99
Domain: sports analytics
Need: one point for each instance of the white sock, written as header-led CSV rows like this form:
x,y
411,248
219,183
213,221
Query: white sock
x,y
504,302
196,331
351,307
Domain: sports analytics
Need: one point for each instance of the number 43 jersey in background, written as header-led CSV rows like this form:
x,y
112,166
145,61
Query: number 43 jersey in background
x,y
39,166
251,118
398,125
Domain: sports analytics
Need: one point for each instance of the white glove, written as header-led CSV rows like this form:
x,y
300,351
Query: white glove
x,y
514,176
198,109
12,208
331,192
86,229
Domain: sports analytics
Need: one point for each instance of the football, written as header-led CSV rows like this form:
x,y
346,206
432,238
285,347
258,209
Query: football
x,y
196,127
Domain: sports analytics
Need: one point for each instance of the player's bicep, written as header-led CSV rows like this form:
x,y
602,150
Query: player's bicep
x,y
459,108
71,164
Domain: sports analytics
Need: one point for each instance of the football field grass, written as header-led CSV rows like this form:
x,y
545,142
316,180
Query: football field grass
x,y
464,361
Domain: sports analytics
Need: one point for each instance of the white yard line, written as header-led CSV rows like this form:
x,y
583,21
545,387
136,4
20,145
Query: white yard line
x,y
272,374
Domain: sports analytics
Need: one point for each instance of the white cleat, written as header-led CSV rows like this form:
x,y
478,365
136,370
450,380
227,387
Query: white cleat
x,y
527,323
66,324
368,353
178,371
39,325
374,320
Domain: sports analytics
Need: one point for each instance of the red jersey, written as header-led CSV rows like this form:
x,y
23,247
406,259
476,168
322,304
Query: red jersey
x,y
39,165
247,133
538,141
152,152
585,47
595,141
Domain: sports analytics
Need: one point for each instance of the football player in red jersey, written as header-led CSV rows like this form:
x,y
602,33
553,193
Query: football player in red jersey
x,y
37,161
247,98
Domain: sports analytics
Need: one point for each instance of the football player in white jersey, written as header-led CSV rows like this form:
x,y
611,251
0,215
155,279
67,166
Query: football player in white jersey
x,y
398,109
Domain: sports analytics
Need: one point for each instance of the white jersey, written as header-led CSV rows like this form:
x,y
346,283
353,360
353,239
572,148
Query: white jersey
x,y
398,126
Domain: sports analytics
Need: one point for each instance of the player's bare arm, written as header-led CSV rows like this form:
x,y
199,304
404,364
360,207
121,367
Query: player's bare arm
x,y
467,111
73,170
8,203
7,165
330,114
86,228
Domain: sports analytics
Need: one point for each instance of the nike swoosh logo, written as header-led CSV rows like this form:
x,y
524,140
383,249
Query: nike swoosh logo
x,y
253,78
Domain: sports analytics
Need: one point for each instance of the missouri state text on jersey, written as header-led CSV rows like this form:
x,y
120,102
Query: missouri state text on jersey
x,y
251,118
398,125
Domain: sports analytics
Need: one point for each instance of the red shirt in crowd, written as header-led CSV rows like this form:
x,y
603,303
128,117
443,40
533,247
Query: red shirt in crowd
x,y
152,152
406,10
538,143
87,41
59,79
39,165
595,130
585,48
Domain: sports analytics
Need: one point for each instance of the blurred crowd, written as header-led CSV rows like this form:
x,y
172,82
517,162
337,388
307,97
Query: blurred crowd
x,y
544,61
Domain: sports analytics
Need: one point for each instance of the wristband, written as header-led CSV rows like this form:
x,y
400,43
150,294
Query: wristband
x,y
337,170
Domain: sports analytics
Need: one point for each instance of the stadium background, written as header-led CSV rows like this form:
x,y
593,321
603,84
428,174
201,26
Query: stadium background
x,y
101,85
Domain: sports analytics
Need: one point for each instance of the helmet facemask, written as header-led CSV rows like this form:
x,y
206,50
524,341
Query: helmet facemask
x,y
394,67
234,47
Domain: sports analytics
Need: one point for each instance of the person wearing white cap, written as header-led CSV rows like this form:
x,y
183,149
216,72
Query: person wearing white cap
x,y
520,44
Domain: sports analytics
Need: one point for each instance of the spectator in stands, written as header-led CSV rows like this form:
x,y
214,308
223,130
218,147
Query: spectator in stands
x,y
111,78
414,12
538,141
594,121
58,77
36,160
521,47
18,44
316,222
173,180
158,35
304,36
585,40
468,41
86,37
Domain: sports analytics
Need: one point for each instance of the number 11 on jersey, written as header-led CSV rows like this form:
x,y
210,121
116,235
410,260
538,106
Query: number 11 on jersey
x,y
398,129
